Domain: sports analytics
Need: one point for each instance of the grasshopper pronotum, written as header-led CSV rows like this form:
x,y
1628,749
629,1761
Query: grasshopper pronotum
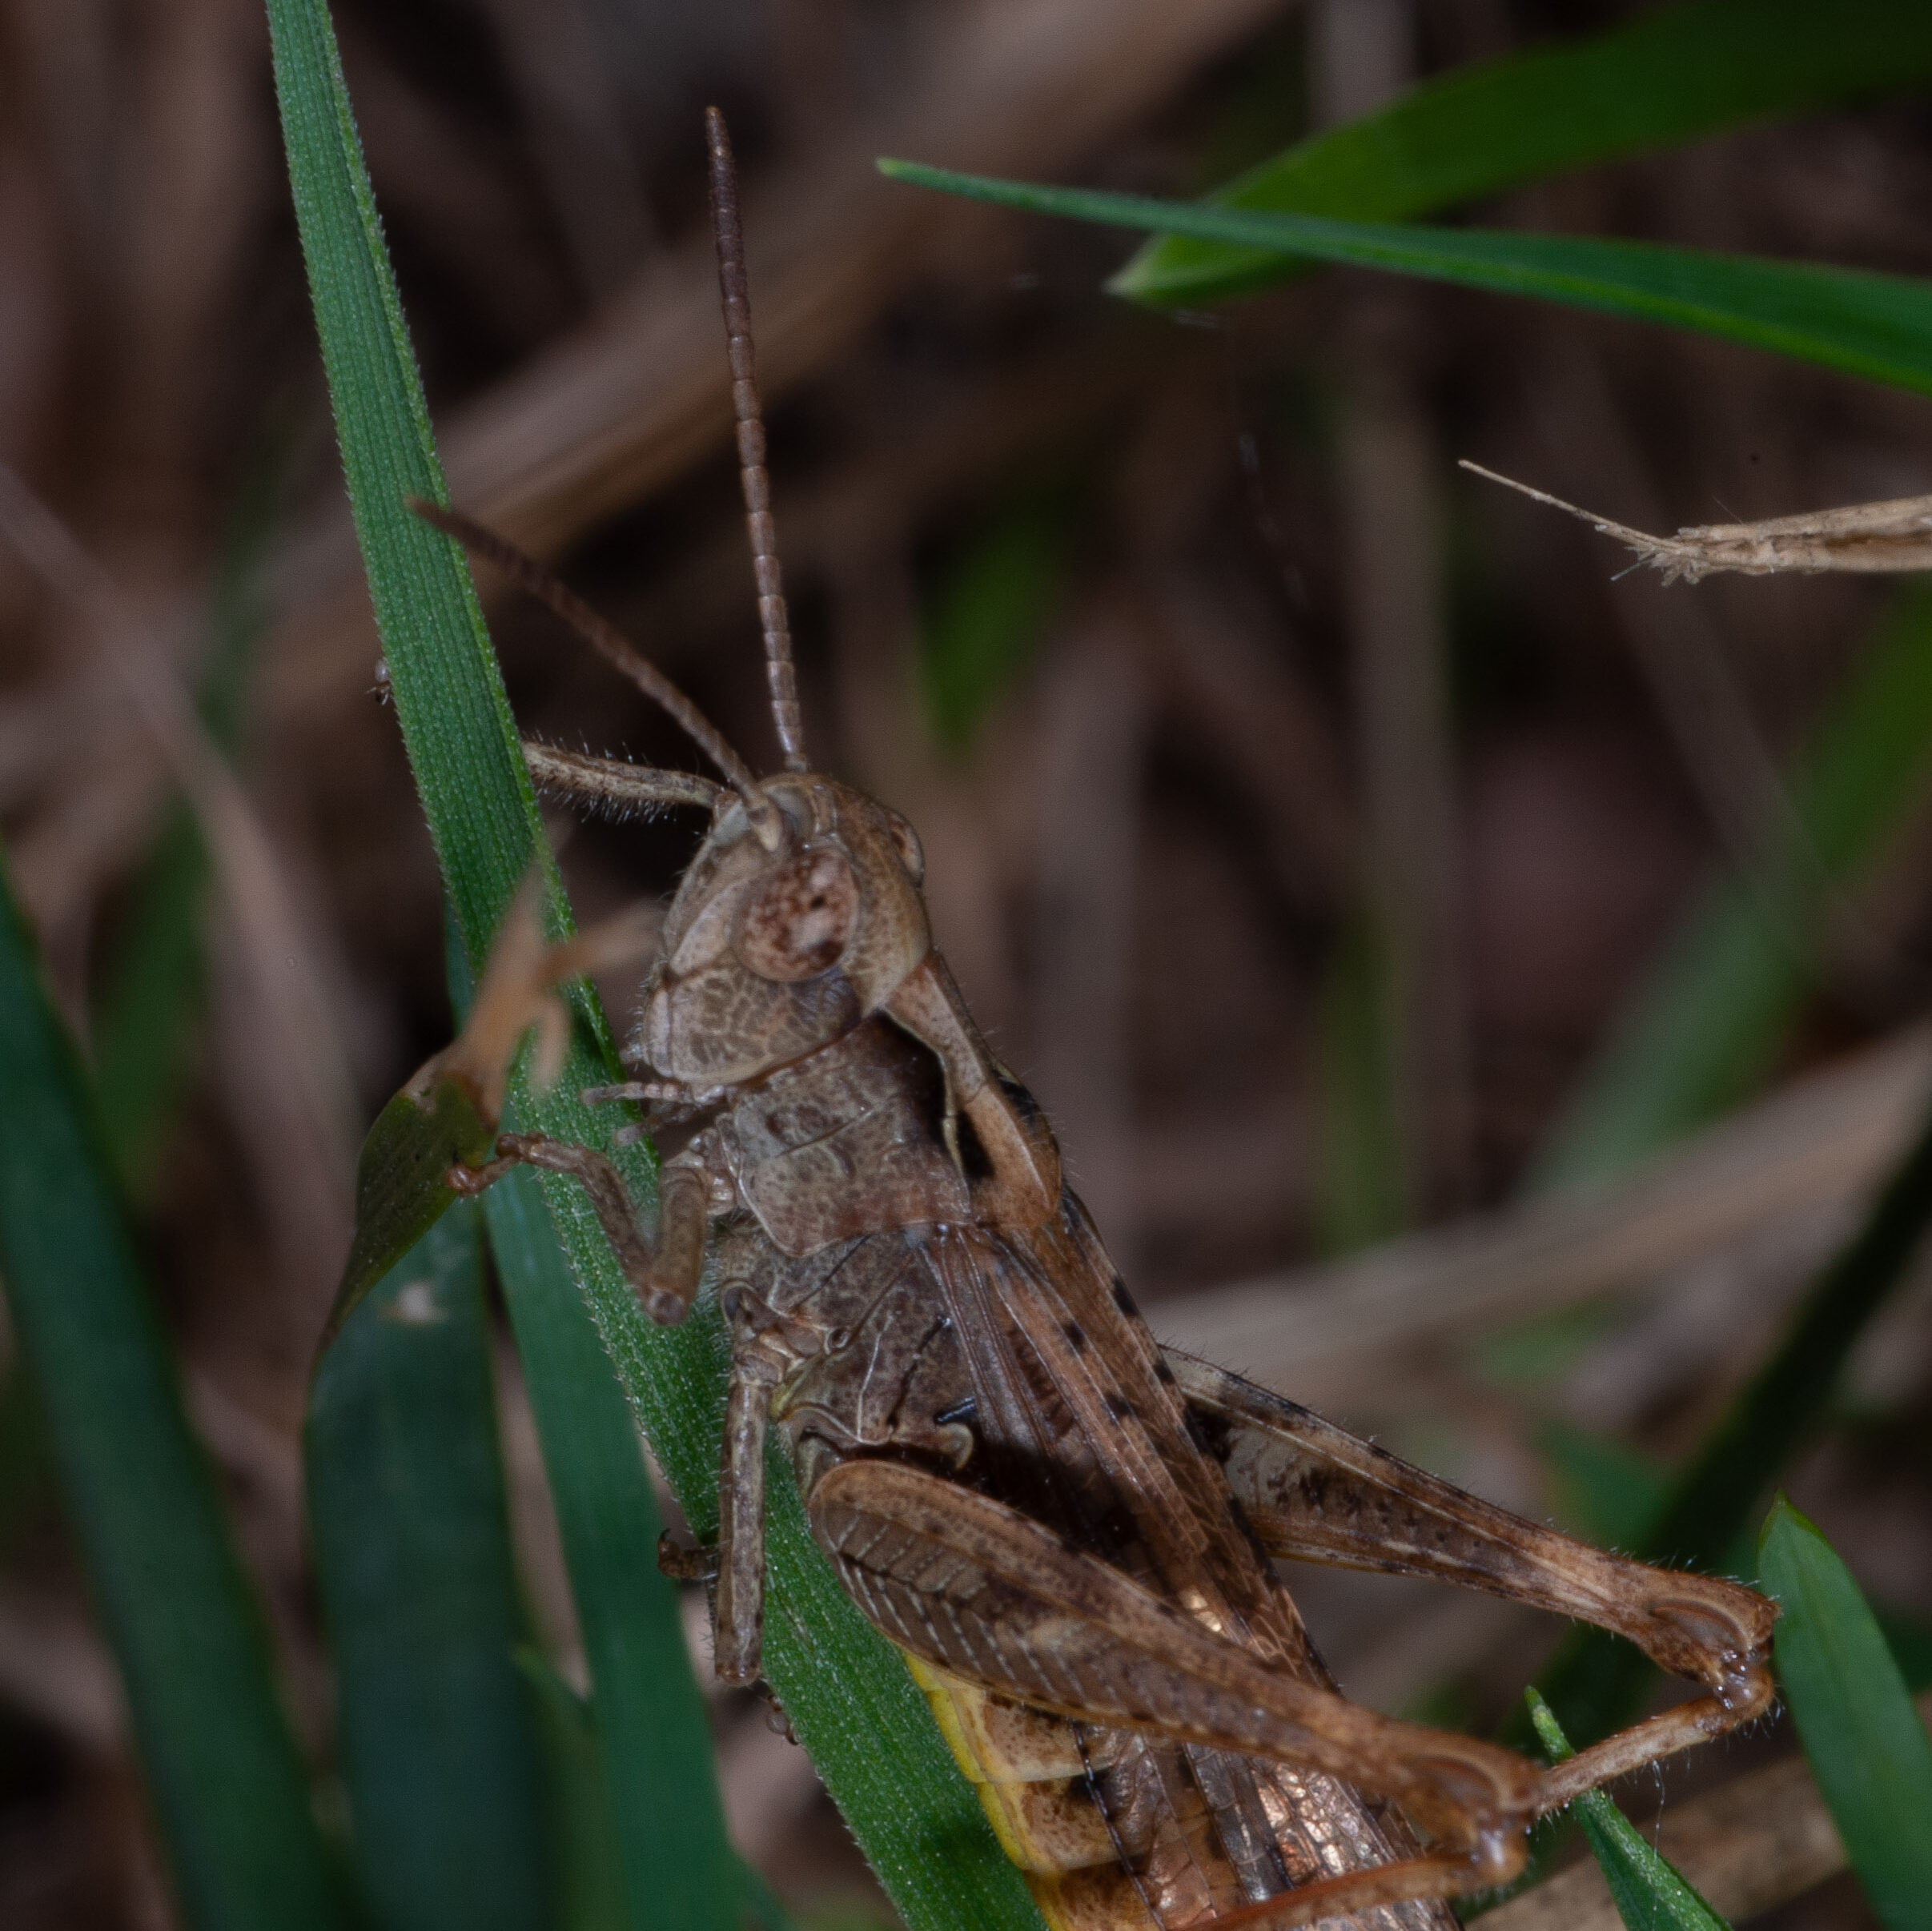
x,y
1066,1530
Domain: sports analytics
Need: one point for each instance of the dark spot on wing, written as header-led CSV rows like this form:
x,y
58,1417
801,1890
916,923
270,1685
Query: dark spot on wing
x,y
1123,1299
1076,1337
1163,1372
1212,1431
1119,1407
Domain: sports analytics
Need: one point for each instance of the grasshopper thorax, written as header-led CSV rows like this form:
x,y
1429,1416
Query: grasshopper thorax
x,y
793,924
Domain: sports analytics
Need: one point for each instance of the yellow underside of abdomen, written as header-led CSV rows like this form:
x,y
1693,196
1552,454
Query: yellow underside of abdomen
x,y
1034,1780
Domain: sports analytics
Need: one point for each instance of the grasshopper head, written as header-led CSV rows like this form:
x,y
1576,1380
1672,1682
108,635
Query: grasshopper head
x,y
790,926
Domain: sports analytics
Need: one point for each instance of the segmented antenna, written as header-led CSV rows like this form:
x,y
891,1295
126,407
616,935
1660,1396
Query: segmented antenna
x,y
603,635
735,288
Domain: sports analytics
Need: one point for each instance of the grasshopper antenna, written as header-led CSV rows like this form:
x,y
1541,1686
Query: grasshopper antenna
x,y
604,637
734,286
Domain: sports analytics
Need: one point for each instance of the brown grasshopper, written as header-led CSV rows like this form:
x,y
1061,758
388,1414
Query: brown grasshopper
x,y
1068,1531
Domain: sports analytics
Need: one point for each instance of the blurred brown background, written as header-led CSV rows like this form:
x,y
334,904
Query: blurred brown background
x,y
1286,691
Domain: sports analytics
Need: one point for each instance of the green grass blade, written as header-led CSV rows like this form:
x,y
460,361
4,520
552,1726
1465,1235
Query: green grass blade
x,y
1877,326
1708,1023
411,1537
1650,1893
1596,1681
849,1697
652,1731
591,1898
653,1806
449,698
1671,74
590,1878
1865,1742
229,1790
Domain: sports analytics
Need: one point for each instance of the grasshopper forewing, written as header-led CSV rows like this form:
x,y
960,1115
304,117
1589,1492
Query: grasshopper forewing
x,y
1068,1532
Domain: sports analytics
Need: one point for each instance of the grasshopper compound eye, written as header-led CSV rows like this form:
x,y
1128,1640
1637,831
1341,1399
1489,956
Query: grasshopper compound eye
x,y
798,925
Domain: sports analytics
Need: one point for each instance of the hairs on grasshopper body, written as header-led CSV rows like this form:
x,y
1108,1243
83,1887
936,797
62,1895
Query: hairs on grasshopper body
x,y
1067,1531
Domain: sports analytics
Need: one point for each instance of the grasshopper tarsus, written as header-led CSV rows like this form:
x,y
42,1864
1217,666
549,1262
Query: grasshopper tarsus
x,y
471,1181
682,1562
1699,1720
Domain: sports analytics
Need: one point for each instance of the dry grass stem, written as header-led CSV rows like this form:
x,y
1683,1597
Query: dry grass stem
x,y
1320,1332
1890,536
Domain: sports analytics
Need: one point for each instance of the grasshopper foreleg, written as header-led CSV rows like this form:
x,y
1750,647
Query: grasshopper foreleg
x,y
663,1276
1312,1492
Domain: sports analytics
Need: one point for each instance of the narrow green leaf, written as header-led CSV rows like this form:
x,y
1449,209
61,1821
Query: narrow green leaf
x,y
402,1184
230,1791
1878,326
653,1733
654,1809
449,699
846,1692
1706,1025
590,1877
1650,1893
411,1537
1670,74
1864,1739
592,1900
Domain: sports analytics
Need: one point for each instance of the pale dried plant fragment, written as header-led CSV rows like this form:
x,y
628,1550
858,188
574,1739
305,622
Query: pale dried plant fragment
x,y
519,991
1892,535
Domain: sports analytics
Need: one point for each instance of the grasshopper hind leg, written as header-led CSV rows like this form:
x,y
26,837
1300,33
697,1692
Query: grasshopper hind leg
x,y
1312,1492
